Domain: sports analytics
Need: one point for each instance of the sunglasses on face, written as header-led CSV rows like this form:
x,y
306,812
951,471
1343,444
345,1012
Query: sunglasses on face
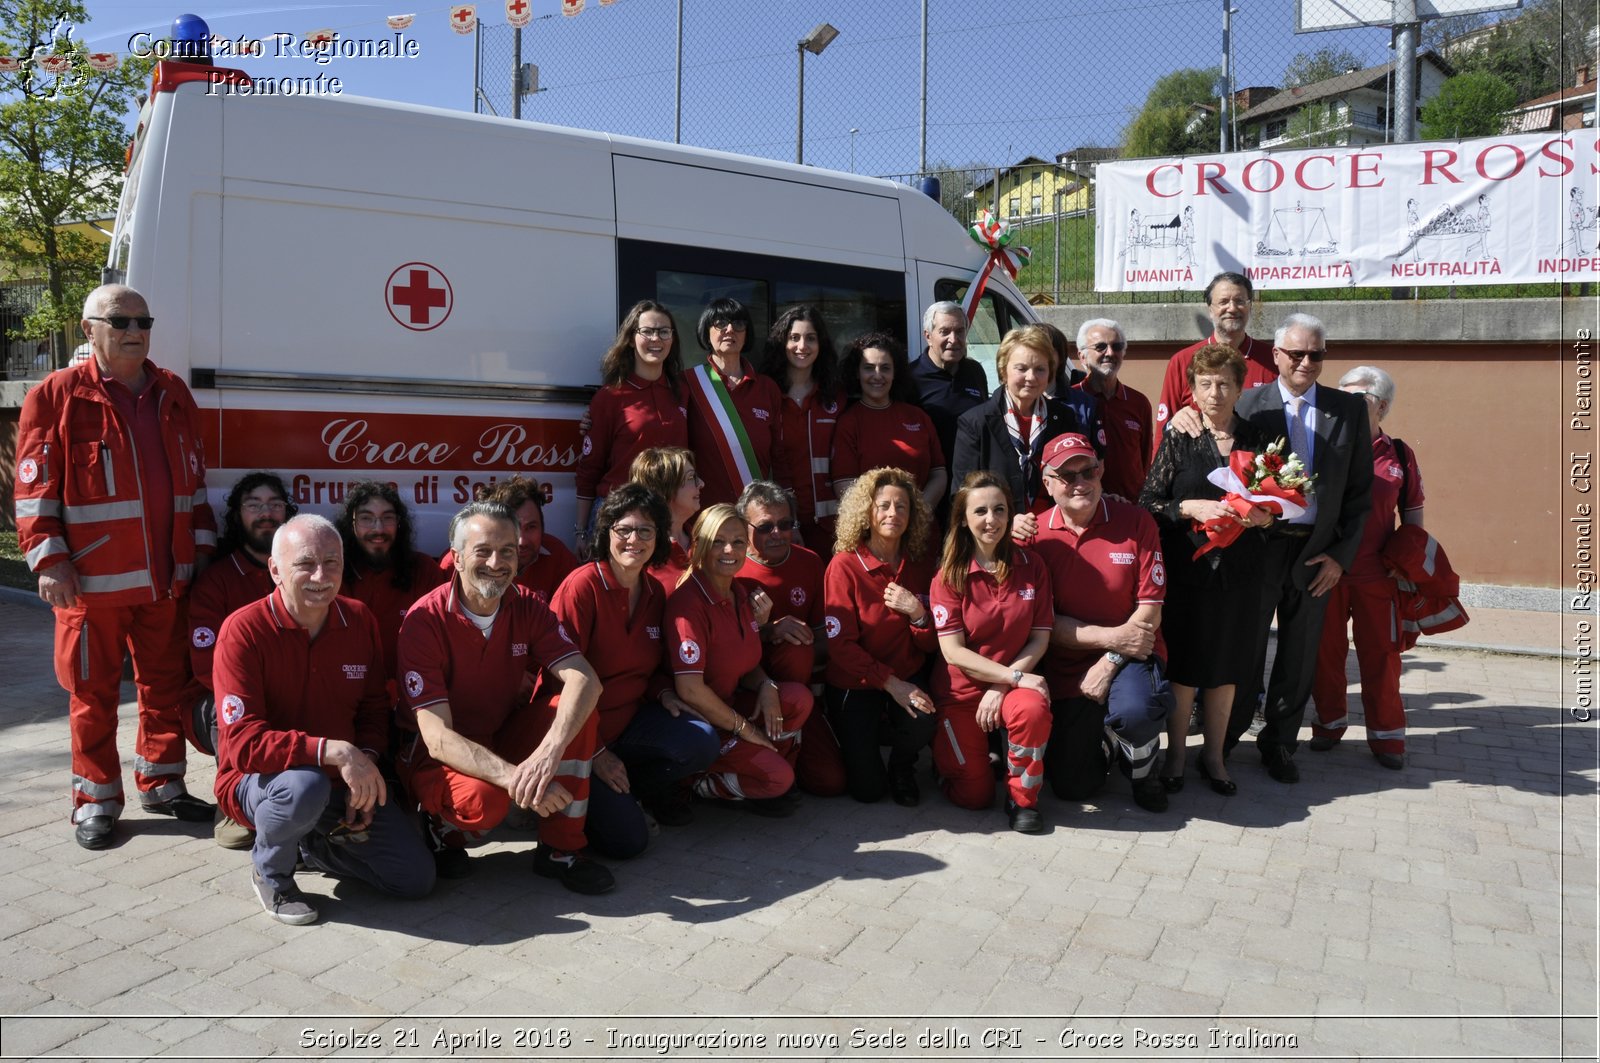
x,y
1314,356
1072,476
774,525
1100,348
120,322
729,326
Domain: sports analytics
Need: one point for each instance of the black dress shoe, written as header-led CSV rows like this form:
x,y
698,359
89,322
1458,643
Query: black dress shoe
x,y
1321,743
1280,765
1172,784
1024,820
95,832
903,787
1149,794
186,807
1392,761
1225,787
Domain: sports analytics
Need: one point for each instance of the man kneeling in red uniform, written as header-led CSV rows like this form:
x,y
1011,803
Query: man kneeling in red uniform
x,y
471,654
302,718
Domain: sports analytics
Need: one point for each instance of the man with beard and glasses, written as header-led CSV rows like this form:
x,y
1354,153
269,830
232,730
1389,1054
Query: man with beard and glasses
x,y
471,653
383,570
258,506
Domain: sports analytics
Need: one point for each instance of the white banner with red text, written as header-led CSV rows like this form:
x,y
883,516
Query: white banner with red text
x,y
1495,210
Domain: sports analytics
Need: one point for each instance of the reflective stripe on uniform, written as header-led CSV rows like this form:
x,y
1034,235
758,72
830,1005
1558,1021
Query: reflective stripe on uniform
x,y
165,792
183,504
50,546
820,465
100,511
145,767
955,747
1335,725
202,537
828,508
1025,752
182,573
1031,781
122,581
1430,555
574,769
198,499
99,808
97,789
576,810
1399,732
38,507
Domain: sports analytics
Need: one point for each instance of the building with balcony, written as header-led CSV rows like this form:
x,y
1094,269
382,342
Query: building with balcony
x,y
1350,110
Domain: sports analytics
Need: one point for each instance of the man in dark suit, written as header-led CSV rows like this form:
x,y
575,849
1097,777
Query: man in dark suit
x,y
1306,555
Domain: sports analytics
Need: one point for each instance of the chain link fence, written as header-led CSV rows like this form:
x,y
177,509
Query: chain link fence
x,y
1022,97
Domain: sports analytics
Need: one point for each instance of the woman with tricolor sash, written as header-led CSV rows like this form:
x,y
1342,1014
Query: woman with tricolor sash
x,y
735,413
800,359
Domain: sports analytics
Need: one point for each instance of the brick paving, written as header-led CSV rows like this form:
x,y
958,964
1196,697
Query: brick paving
x,y
1448,910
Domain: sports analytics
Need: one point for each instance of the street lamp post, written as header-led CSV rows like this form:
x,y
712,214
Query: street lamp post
x,y
853,133
813,42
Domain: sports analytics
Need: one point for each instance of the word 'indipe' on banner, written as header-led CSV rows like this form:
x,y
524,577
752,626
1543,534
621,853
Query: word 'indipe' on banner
x,y
1495,210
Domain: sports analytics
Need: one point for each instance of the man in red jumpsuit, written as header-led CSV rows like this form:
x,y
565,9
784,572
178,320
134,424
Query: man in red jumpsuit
x,y
112,516
257,507
470,654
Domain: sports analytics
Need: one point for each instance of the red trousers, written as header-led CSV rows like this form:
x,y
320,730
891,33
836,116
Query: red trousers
x,y
1373,611
820,766
746,770
961,750
476,807
90,642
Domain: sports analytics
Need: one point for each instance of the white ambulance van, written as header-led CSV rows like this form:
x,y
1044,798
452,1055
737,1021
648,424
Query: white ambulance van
x,y
356,288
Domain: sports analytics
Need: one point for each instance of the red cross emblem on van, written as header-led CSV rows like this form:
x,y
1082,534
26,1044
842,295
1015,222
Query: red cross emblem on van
x,y
418,296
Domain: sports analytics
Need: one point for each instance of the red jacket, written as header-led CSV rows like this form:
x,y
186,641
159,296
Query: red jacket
x,y
1428,585
78,491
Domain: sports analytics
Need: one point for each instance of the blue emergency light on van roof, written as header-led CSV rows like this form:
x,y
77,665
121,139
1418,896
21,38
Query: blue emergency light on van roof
x,y
191,39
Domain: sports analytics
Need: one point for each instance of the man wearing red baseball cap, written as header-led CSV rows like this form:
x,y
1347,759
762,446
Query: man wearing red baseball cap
x,y
1106,662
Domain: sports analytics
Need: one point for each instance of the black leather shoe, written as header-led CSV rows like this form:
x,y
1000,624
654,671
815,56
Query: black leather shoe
x,y
1392,761
903,787
186,807
1149,794
1024,820
573,870
95,832
1172,784
1225,787
1280,765
1321,743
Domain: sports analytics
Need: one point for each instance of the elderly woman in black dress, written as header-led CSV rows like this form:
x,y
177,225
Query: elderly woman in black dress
x,y
1211,600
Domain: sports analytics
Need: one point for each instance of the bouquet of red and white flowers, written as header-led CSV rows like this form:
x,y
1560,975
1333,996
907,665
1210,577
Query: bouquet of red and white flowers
x,y
1275,479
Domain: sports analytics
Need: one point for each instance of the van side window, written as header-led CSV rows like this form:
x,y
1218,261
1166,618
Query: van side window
x,y
852,299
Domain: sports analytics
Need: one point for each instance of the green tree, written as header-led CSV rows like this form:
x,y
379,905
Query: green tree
x,y
1308,68
62,141
1468,105
1173,120
1315,126
1535,52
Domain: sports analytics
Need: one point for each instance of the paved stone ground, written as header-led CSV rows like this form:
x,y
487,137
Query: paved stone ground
x,y
1449,910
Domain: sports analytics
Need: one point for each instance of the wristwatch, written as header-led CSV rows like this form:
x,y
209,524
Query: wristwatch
x,y
1116,658
1016,677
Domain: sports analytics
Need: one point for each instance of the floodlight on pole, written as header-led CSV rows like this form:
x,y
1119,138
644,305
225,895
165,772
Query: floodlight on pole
x,y
853,133
813,42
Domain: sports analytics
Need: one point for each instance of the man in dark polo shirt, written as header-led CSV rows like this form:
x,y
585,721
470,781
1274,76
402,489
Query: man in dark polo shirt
x,y
948,383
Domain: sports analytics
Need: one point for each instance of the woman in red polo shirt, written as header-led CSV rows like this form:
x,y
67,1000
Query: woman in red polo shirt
x,y
880,633
670,473
800,357
884,426
639,405
993,613
648,743
713,649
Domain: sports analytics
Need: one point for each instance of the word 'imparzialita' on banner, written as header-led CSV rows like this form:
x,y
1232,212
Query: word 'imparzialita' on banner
x,y
1496,210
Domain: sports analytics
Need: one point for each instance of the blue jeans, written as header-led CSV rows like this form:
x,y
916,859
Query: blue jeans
x,y
1128,726
294,813
659,750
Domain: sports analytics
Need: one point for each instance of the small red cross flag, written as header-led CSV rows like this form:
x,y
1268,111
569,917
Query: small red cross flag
x,y
464,17
519,13
54,64
607,3
400,22
571,7
10,64
103,61
317,40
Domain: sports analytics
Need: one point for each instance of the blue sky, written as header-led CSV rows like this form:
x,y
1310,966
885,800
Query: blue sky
x,y
1007,78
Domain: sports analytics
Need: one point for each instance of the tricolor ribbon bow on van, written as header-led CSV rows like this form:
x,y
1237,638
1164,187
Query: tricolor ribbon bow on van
x,y
995,236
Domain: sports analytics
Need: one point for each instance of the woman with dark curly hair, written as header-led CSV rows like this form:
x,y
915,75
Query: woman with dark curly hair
x,y
884,426
880,635
800,358
648,743
639,405
993,612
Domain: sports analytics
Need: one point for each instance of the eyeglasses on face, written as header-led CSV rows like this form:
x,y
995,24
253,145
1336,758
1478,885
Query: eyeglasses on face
x,y
643,532
1088,474
276,505
376,520
1314,356
662,333
1100,348
120,322
774,525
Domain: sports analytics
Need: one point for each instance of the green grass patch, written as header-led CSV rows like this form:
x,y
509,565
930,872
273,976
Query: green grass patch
x,y
14,571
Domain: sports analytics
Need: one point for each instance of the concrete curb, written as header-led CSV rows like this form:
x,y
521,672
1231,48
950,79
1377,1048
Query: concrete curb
x,y
17,596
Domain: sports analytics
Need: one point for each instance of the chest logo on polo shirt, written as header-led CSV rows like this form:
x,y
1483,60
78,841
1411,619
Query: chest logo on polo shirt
x,y
1101,435
1158,573
588,446
355,671
232,709
1026,594
797,596
689,651
1132,426
519,649
832,626
562,630
1121,557
911,426
975,393
413,684
204,638
652,632
1395,471
941,616
762,415
28,470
